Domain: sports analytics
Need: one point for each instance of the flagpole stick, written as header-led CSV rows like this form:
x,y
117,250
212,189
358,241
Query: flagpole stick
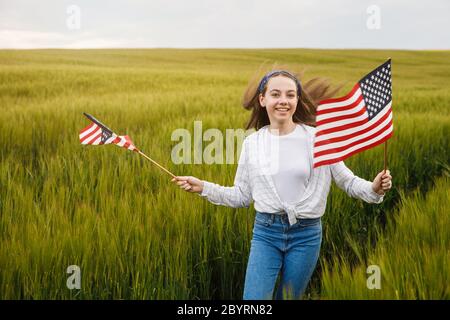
x,y
385,146
154,162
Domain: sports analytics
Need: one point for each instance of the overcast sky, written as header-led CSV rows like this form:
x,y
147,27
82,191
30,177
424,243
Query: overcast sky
x,y
381,24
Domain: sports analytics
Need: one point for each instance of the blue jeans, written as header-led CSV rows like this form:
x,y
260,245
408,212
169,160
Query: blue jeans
x,y
278,246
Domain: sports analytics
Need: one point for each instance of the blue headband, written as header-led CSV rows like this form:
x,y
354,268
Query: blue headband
x,y
266,78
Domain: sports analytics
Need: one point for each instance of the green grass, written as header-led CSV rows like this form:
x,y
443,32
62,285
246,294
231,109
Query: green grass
x,y
412,253
114,214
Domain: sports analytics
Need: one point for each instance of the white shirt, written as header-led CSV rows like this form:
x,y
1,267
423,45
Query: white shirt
x,y
254,182
294,168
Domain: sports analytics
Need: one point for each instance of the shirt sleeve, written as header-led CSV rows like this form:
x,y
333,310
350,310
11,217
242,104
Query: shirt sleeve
x,y
237,196
354,186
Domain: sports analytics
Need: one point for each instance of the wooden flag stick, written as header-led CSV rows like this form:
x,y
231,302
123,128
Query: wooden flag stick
x,y
153,161
385,146
385,156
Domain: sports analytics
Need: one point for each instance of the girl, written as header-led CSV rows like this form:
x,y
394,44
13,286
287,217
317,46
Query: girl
x,y
276,171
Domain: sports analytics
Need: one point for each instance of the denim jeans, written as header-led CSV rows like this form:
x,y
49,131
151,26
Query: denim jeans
x,y
276,246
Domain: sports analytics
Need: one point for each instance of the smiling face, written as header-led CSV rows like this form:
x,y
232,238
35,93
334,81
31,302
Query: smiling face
x,y
280,99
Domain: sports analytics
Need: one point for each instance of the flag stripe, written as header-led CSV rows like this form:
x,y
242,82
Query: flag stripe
x,y
91,137
348,134
344,154
94,138
87,130
90,133
334,160
328,103
338,147
331,108
329,136
339,110
343,125
98,140
121,143
344,115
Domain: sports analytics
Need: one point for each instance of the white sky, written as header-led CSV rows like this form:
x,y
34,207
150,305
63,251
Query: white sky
x,y
404,24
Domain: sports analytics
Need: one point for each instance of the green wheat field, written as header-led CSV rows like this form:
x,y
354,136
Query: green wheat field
x,y
135,235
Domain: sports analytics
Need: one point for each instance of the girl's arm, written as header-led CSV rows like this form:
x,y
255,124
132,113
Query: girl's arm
x,y
357,187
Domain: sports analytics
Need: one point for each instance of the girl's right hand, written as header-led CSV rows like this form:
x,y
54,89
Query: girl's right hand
x,y
189,184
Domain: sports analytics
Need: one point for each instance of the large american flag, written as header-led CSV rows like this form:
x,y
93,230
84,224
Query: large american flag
x,y
356,122
97,133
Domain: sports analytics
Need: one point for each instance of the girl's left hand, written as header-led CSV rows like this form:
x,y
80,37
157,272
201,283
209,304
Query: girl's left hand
x,y
382,182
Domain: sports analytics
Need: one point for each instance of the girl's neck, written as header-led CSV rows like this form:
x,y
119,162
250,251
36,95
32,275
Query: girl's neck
x,y
282,128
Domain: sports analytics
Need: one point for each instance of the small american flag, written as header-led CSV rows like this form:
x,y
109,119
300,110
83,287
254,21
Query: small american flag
x,y
356,122
97,133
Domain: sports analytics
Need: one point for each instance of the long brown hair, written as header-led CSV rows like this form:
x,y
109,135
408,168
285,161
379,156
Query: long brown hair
x,y
313,91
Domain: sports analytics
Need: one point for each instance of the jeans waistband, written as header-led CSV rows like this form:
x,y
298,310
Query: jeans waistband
x,y
283,216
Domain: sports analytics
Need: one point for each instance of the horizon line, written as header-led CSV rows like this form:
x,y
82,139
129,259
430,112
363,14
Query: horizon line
x,y
224,48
